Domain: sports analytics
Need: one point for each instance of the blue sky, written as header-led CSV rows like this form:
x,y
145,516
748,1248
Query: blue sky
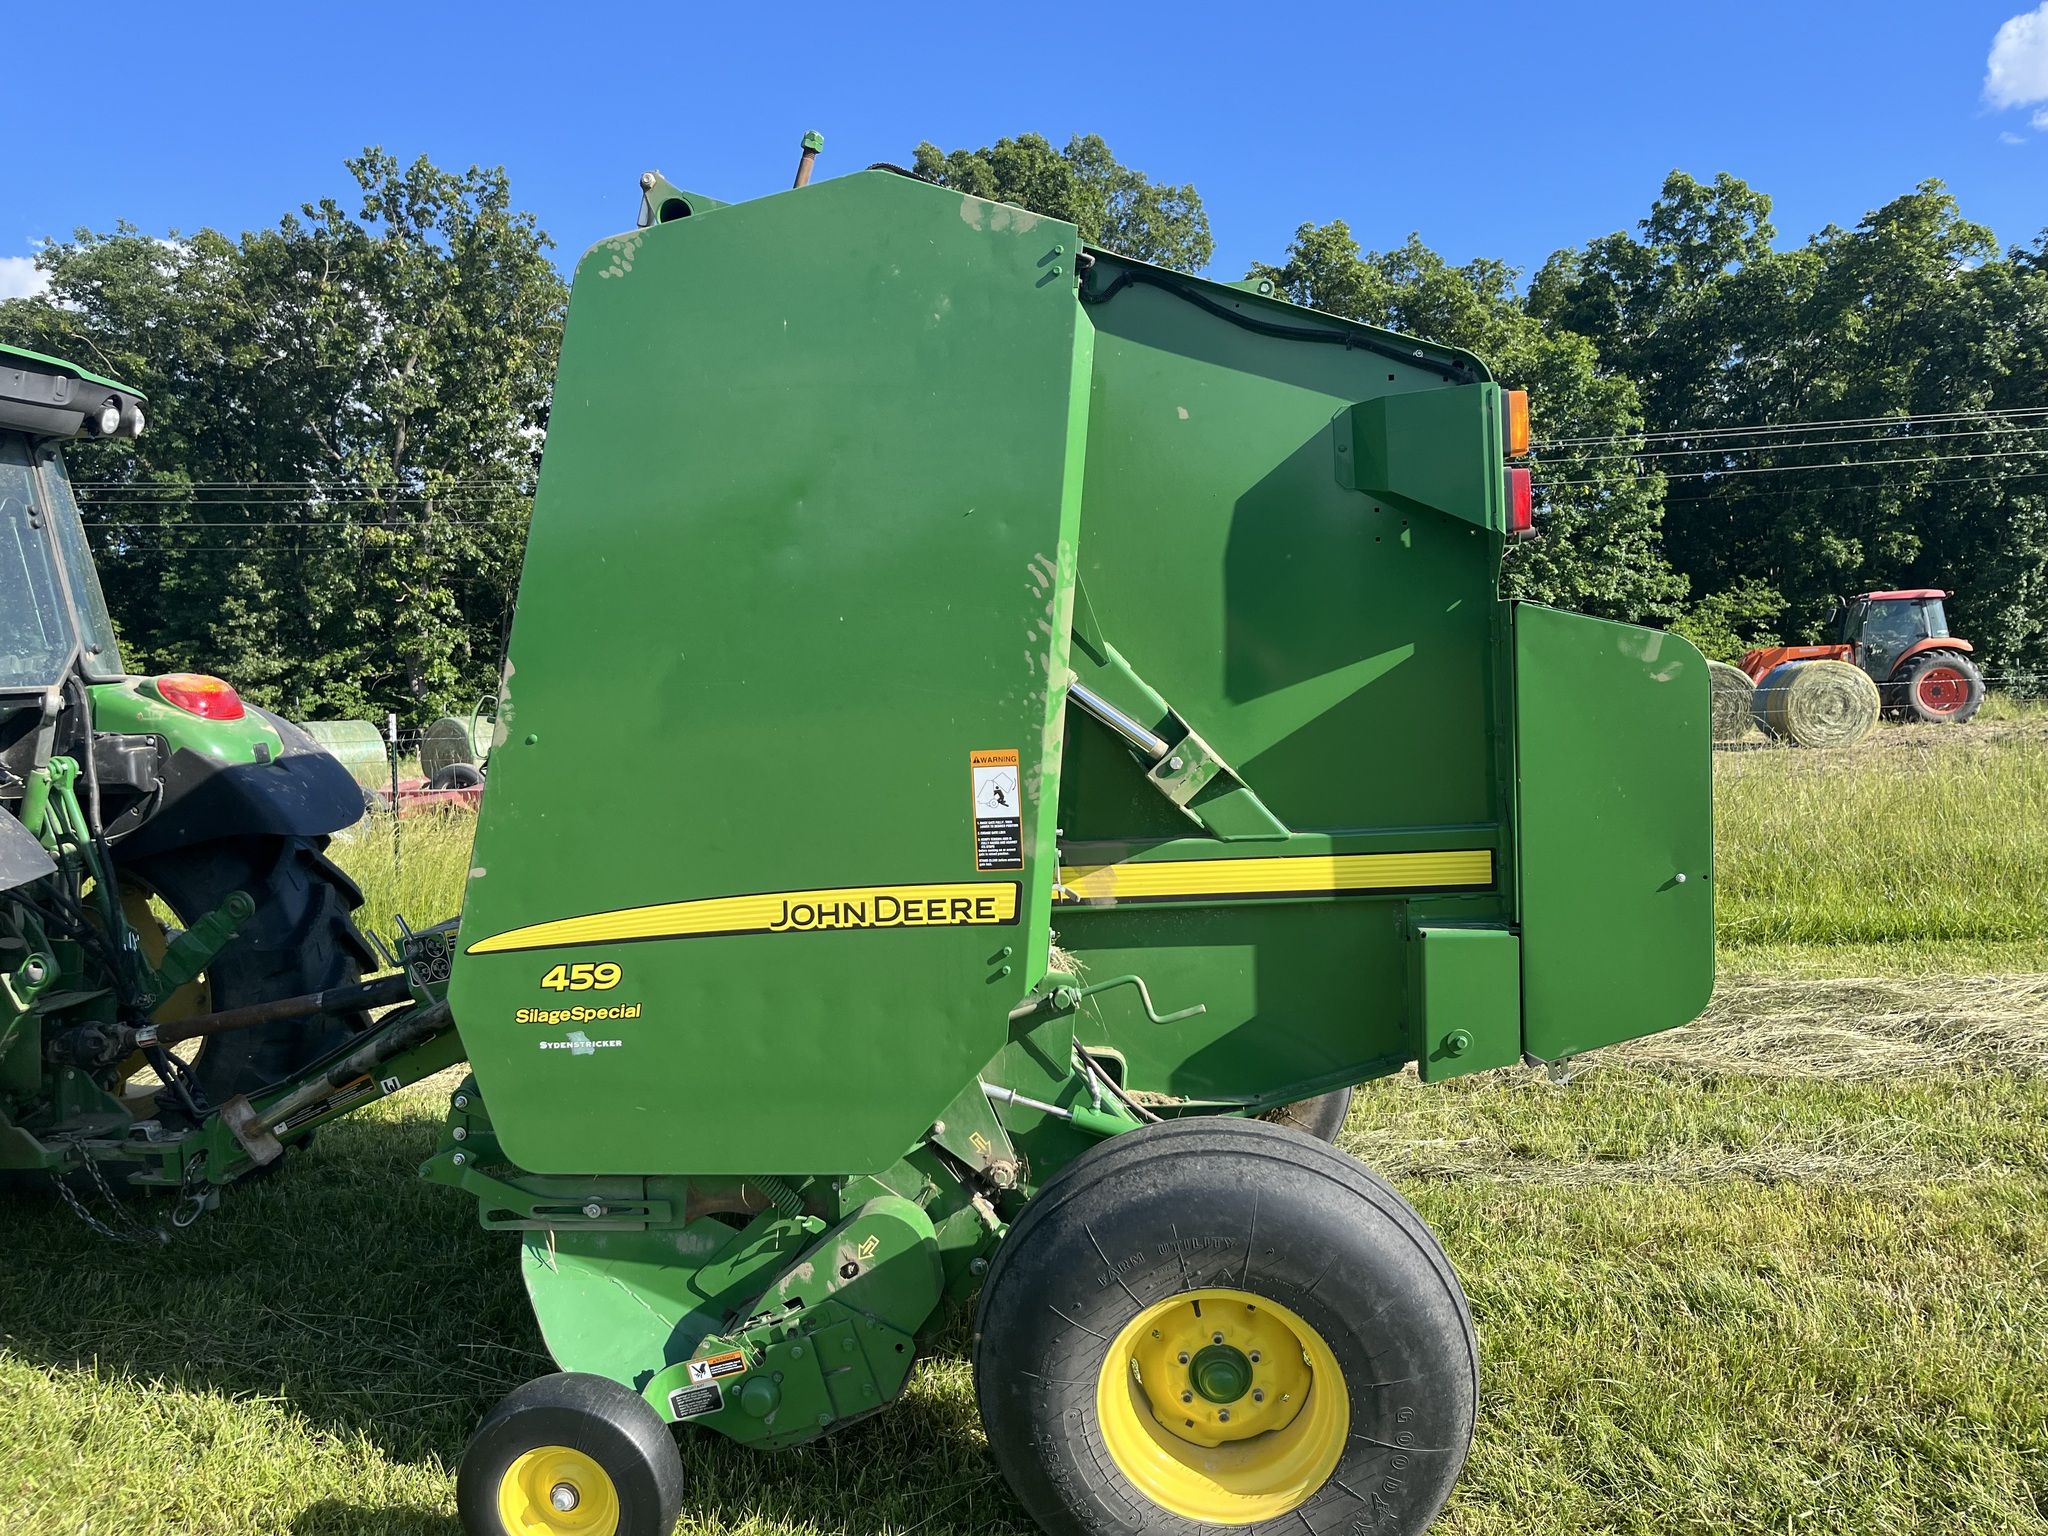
x,y
1492,129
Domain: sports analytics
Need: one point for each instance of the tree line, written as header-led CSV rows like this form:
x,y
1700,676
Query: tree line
x,y
348,410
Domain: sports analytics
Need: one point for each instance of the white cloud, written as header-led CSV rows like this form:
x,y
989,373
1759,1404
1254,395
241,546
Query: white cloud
x,y
2011,138
2041,120
19,278
2016,74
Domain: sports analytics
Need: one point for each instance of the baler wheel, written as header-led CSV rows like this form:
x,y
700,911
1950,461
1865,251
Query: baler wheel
x,y
1213,1322
571,1455
1322,1116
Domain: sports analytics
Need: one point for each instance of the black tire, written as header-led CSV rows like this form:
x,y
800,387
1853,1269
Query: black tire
x,y
1240,1205
1919,698
1321,1117
301,939
457,776
591,1417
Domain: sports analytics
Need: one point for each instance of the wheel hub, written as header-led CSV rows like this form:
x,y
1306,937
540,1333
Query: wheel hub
x,y
557,1490
1223,1406
1221,1373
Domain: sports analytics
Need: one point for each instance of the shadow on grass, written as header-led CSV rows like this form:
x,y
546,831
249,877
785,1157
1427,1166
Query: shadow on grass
x,y
370,1303
331,1517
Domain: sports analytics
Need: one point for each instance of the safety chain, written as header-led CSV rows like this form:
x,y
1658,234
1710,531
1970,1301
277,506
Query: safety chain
x,y
130,1231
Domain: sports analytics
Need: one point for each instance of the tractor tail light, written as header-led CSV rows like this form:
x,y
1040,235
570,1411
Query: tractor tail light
x,y
197,694
1514,406
1521,504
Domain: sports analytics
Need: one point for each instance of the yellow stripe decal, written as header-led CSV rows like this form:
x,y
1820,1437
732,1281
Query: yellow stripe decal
x,y
965,903
1300,875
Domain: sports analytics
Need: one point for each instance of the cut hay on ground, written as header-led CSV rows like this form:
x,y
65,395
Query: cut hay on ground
x,y
1849,1029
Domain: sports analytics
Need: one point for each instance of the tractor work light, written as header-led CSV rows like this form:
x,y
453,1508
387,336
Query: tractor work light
x,y
132,419
197,694
109,420
1521,504
1514,406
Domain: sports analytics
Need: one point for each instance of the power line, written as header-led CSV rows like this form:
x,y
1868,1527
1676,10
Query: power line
x,y
332,526
1790,469
1981,478
288,485
1820,425
1795,446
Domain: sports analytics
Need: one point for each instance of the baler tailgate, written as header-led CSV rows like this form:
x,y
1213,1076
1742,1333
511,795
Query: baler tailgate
x,y
1615,834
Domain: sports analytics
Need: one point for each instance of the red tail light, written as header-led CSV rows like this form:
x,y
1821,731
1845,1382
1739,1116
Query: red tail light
x,y
197,694
1521,504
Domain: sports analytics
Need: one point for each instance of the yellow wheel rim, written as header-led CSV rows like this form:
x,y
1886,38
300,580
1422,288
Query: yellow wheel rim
x,y
151,920
535,1488
1223,1407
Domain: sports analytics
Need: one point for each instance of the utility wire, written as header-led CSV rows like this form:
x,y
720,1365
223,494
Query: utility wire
x,y
1819,425
1792,469
1796,446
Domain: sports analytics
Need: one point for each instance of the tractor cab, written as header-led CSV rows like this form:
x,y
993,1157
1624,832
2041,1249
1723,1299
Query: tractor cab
x,y
51,607
1882,628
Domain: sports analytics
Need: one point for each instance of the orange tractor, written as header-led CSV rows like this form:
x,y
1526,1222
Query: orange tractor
x,y
1901,640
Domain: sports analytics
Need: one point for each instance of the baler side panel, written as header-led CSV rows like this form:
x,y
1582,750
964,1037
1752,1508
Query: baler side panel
x,y
1336,647
802,545
1615,830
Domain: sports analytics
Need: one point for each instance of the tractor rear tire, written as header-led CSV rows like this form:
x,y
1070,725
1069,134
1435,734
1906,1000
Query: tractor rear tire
x,y
1940,688
302,938
1198,1271
1321,1117
577,1440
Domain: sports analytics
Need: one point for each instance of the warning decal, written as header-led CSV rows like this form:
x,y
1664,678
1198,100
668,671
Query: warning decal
x,y
716,1366
998,810
695,1402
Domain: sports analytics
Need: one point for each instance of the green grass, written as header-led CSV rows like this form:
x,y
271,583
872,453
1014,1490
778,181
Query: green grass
x,y
1786,1271
1920,850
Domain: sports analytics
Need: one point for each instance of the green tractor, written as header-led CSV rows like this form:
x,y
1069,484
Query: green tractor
x,y
160,839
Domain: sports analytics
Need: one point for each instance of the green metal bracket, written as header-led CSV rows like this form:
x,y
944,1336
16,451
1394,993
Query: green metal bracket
x,y
545,1204
971,1131
192,951
663,202
28,982
831,1337
1191,774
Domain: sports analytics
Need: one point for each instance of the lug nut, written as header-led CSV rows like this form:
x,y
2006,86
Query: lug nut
x,y
1215,1338
1258,1395
1183,1357
1254,1357
1187,1397
1223,1416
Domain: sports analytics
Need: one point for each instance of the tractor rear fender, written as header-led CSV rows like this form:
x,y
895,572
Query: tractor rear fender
x,y
302,791
1931,643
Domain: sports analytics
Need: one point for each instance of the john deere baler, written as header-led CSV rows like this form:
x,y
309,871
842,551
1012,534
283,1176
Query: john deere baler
x,y
1077,716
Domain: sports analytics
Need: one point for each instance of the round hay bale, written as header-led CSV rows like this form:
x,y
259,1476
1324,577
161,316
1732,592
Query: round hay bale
x,y
358,744
449,742
1817,703
1733,696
